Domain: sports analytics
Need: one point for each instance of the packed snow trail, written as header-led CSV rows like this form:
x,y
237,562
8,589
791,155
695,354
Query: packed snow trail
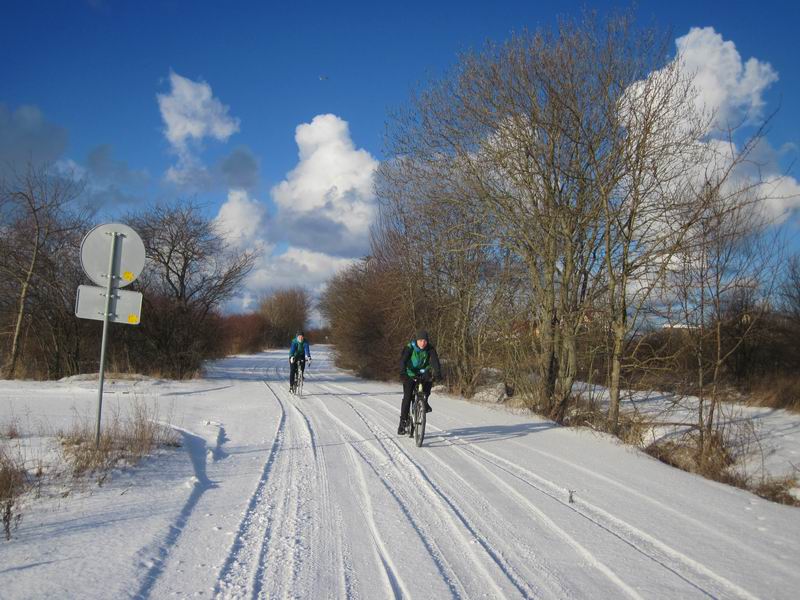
x,y
317,497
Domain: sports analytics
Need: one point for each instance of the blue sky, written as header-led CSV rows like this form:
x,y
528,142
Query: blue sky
x,y
86,75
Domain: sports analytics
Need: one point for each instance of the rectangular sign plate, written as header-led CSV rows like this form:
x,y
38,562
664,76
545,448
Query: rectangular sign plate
x,y
126,307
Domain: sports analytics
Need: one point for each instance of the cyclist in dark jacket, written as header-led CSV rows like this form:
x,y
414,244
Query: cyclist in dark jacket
x,y
299,352
418,361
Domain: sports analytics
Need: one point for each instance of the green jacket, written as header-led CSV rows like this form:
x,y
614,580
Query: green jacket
x,y
414,360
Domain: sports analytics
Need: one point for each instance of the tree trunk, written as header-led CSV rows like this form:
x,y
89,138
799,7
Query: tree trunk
x,y
23,297
616,373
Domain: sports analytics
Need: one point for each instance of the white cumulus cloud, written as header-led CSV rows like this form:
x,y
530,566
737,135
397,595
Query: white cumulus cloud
x,y
241,219
726,86
297,266
731,92
332,184
323,211
191,114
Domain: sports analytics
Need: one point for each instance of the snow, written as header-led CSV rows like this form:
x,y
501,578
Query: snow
x,y
273,496
766,441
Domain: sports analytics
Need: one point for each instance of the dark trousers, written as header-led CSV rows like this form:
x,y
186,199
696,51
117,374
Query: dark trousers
x,y
408,394
293,369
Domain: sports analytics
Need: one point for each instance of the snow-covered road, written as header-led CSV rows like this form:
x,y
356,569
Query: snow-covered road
x,y
317,497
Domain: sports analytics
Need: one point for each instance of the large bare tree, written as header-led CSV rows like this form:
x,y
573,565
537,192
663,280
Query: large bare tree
x,y
38,218
190,272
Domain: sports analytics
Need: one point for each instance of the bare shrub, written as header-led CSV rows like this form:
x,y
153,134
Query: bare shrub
x,y
244,334
719,460
782,391
285,311
13,484
777,489
123,441
632,429
10,429
682,452
367,326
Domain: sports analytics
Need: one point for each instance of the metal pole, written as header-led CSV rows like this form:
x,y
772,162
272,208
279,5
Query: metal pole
x,y
110,288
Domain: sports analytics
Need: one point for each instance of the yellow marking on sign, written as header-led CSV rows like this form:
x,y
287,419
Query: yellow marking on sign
x,y
133,319
127,276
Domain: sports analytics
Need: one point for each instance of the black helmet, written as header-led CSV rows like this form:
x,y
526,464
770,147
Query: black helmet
x,y
299,333
422,334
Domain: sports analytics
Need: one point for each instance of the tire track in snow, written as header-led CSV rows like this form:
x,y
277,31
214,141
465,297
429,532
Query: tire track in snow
x,y
334,537
426,483
235,578
566,537
644,543
289,539
394,584
446,511
560,591
658,551
647,498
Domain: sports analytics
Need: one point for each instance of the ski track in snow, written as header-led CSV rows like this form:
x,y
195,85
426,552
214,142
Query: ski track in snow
x,y
236,577
642,542
328,502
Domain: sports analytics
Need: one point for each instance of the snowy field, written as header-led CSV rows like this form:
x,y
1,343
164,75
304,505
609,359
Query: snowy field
x,y
271,496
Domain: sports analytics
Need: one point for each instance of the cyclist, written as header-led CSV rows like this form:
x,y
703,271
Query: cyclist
x,y
299,352
419,360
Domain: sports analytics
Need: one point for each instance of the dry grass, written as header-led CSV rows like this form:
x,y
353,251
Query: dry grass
x,y
632,429
777,489
123,441
13,484
718,463
10,430
777,392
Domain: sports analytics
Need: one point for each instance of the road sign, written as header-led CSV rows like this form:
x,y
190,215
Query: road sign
x,y
112,256
128,256
125,307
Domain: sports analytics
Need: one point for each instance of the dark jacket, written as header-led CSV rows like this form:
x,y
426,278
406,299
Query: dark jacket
x,y
406,365
299,349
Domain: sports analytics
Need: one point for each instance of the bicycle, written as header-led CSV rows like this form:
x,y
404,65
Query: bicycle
x,y
299,377
417,413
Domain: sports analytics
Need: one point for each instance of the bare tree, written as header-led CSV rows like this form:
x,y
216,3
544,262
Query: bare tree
x,y
190,272
38,215
728,268
286,311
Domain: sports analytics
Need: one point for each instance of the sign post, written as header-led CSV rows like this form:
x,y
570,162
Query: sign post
x,y
112,256
103,343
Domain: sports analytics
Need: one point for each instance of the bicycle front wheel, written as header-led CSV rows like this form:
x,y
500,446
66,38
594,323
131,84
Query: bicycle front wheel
x,y
419,421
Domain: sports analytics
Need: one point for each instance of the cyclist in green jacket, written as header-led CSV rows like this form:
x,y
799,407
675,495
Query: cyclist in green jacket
x,y
299,352
418,361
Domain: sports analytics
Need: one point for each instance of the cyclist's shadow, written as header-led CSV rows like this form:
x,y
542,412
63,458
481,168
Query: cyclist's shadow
x,y
487,433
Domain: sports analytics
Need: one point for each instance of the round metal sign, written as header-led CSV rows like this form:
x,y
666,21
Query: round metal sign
x,y
128,256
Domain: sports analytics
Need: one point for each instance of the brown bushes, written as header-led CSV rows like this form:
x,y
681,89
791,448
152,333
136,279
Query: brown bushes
x,y
366,320
285,312
781,391
244,334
